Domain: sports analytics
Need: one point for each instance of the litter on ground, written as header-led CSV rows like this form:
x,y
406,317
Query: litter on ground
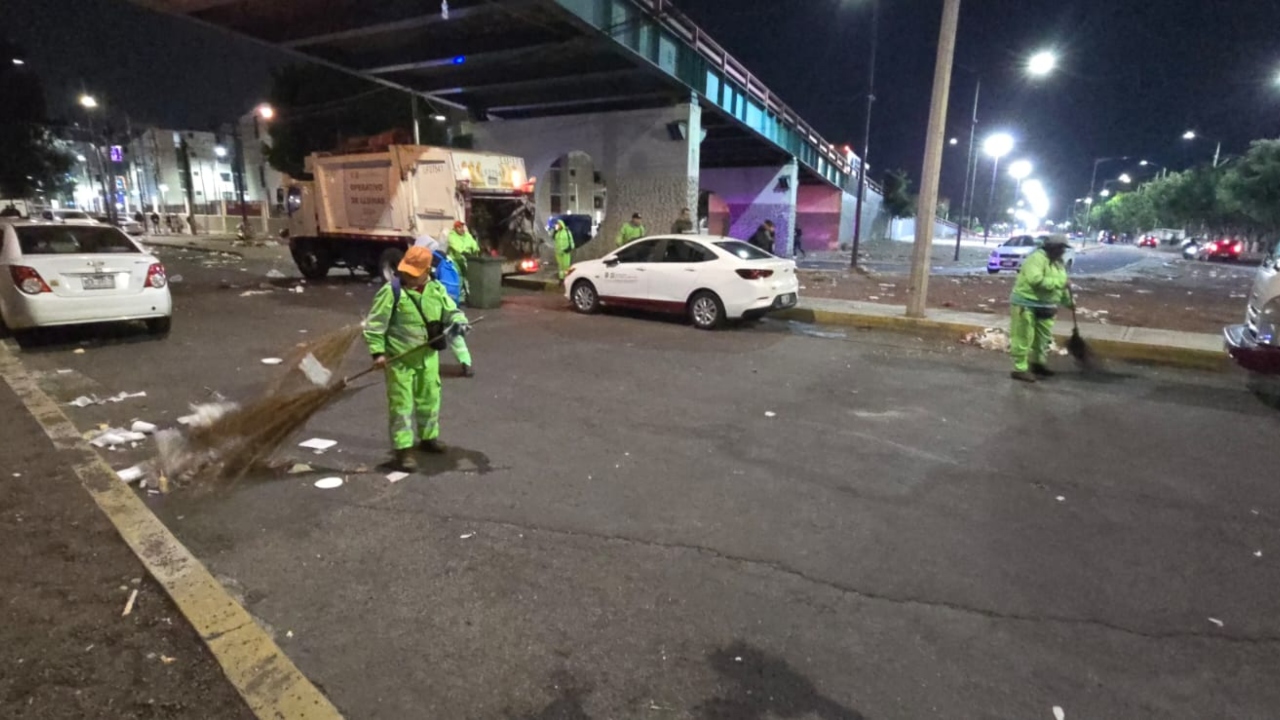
x,y
131,474
989,339
78,351
466,536
1216,621
299,469
271,361
329,483
770,413
205,415
397,476
274,274
128,606
1059,713
251,293
140,426
317,444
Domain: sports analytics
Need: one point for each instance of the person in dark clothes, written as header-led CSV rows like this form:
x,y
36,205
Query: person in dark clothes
x,y
763,236
799,242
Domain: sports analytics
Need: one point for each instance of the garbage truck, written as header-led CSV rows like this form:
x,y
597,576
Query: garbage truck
x,y
362,210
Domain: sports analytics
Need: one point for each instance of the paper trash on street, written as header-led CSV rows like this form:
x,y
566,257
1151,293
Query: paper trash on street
x,y
271,361
140,426
317,444
1059,713
329,483
397,476
275,274
318,374
130,475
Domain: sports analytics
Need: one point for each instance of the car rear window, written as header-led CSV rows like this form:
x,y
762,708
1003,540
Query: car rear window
x,y
744,251
72,240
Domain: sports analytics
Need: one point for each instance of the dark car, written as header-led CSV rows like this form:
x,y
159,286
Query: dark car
x,y
1221,249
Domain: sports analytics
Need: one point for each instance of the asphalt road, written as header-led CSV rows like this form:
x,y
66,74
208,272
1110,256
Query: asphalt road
x,y
638,520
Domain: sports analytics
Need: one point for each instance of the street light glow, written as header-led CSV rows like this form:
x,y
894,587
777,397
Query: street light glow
x,y
1020,169
1105,193
19,61
220,151
953,141
88,101
439,118
1124,178
998,145
266,112
1189,135
1042,63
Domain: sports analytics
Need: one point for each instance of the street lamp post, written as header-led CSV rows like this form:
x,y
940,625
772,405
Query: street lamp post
x,y
1093,184
866,135
931,172
1217,151
996,146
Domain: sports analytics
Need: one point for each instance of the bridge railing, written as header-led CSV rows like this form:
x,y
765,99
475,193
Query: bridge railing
x,y
678,23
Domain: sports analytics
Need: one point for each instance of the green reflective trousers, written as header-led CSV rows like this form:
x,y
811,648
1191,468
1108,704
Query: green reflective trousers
x,y
1029,338
413,401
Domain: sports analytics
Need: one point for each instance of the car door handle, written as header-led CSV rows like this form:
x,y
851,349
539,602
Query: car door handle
x,y
691,270
639,269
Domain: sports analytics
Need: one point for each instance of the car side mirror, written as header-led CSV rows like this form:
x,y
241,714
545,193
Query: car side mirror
x,y
611,262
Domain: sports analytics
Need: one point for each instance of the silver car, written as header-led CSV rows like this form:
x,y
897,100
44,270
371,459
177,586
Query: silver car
x,y
1010,254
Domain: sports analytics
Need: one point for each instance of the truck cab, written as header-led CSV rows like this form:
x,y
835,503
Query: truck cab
x,y
1255,344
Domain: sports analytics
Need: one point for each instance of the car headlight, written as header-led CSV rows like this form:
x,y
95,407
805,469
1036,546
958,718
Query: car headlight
x,y
1269,322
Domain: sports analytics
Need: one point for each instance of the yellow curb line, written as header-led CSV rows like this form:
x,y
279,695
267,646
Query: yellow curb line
x,y
269,682
1107,349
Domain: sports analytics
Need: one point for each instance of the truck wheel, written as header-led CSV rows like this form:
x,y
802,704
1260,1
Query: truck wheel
x,y
312,258
387,263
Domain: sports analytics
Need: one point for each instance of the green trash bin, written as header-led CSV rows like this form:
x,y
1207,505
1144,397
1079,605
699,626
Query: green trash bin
x,y
484,280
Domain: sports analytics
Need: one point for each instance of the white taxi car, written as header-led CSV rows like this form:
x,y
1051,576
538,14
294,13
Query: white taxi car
x,y
63,273
709,279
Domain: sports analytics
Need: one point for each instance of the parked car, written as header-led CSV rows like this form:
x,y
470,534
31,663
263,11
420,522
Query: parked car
x,y
74,273
1149,241
1255,344
1010,254
127,224
1220,249
710,279
77,216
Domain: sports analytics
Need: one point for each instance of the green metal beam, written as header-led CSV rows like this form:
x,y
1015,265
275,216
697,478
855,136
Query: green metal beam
x,y
662,35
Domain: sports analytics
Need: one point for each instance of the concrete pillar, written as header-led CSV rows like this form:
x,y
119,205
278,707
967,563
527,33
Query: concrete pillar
x,y
818,213
647,159
753,195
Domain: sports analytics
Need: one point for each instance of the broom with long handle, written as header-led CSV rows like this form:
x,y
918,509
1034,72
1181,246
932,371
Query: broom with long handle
x,y
246,437
1076,346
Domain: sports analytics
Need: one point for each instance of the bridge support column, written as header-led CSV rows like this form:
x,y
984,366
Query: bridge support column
x,y
753,195
647,160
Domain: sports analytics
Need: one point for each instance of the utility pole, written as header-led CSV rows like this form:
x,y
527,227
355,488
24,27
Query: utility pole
x,y
866,134
931,173
970,171
417,129
239,175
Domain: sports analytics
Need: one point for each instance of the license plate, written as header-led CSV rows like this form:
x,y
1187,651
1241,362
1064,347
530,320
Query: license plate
x,y
98,282
1009,263
786,300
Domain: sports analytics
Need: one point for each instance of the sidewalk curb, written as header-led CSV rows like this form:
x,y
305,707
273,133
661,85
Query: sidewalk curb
x,y
1191,358
271,685
531,283
198,248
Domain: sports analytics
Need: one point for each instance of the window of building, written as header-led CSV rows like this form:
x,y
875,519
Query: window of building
x,y
555,205
573,173
226,177
599,203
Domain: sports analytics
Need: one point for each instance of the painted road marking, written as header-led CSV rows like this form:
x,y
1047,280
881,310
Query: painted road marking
x,y
264,676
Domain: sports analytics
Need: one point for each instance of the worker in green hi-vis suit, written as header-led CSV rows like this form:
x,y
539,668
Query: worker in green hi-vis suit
x,y
1040,288
406,314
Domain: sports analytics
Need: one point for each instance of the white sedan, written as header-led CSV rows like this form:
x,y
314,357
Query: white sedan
x,y
1010,254
72,273
709,279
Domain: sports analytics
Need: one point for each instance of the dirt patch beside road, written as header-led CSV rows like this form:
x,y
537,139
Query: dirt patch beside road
x,y
1178,295
66,576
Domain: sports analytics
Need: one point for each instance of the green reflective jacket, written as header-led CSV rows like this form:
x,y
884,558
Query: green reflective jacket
x,y
1041,282
391,330
563,240
464,244
630,232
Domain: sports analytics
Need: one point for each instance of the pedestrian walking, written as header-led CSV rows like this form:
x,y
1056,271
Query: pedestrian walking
x,y
631,231
763,237
1041,287
155,222
683,224
799,253
406,314
562,238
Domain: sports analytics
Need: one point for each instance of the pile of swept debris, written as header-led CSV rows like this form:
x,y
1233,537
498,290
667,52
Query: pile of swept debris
x,y
989,339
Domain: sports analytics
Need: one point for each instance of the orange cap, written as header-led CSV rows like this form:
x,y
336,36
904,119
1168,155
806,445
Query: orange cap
x,y
416,262
458,224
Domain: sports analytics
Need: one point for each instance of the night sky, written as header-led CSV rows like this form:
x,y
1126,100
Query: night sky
x,y
1134,74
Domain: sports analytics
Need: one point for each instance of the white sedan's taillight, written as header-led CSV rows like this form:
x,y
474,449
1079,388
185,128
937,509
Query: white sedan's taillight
x,y
753,274
156,277
28,280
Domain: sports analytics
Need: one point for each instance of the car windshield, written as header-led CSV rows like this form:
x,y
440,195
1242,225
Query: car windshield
x,y
743,250
1019,241
73,215
72,239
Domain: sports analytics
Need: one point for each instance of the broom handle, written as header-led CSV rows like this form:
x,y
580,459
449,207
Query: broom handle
x,y
406,353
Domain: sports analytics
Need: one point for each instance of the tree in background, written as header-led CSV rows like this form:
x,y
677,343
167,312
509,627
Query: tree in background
x,y
898,200
317,108
1249,190
31,160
